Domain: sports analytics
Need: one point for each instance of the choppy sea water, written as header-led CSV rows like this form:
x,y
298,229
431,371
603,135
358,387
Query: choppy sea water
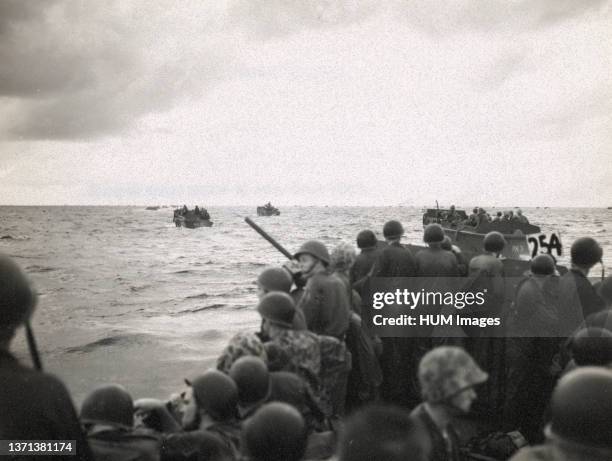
x,y
127,297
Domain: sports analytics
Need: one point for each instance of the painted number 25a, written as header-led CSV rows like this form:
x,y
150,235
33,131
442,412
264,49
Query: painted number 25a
x,y
541,244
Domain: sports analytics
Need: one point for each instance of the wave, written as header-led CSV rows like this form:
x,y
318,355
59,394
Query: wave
x,y
136,289
37,268
115,340
199,309
199,296
14,237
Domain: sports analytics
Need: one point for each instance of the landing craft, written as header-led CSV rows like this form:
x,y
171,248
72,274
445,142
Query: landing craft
x,y
191,219
267,210
524,240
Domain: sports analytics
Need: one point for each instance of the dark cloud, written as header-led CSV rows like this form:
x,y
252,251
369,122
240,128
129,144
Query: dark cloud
x,y
76,70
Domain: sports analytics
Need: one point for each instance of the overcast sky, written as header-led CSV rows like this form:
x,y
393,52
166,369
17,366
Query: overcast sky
x,y
318,102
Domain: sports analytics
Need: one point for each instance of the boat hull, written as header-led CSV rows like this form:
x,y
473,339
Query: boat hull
x,y
192,223
263,211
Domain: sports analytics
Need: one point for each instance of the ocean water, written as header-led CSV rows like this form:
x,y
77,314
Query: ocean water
x,y
126,297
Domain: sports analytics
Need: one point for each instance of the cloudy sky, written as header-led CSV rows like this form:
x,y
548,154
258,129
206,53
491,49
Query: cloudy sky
x,y
314,102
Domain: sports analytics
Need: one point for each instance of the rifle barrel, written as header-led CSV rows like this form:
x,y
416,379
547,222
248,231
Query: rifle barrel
x,y
269,238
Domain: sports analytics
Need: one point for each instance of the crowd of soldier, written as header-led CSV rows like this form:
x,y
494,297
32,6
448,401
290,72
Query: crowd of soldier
x,y
313,382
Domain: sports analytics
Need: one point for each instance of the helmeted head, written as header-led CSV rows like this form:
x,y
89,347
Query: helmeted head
x,y
581,408
276,432
252,378
475,211
586,252
494,242
519,212
452,208
366,239
592,346
543,265
216,394
343,257
383,433
433,233
499,214
17,298
274,279
315,249
445,373
393,230
110,404
240,345
277,308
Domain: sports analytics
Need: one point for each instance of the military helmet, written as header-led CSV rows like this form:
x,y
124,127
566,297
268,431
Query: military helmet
x,y
592,346
433,233
343,256
543,265
252,378
216,393
366,239
581,408
277,308
494,242
316,249
446,371
586,252
108,404
276,432
393,229
17,298
275,279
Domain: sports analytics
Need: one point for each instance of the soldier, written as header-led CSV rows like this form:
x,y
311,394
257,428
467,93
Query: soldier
x,y
520,217
367,243
302,348
581,410
486,345
452,216
462,264
214,408
257,386
590,347
276,432
34,405
434,261
399,355
447,376
472,219
531,346
279,279
489,262
394,260
579,298
325,301
383,433
107,414
365,376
